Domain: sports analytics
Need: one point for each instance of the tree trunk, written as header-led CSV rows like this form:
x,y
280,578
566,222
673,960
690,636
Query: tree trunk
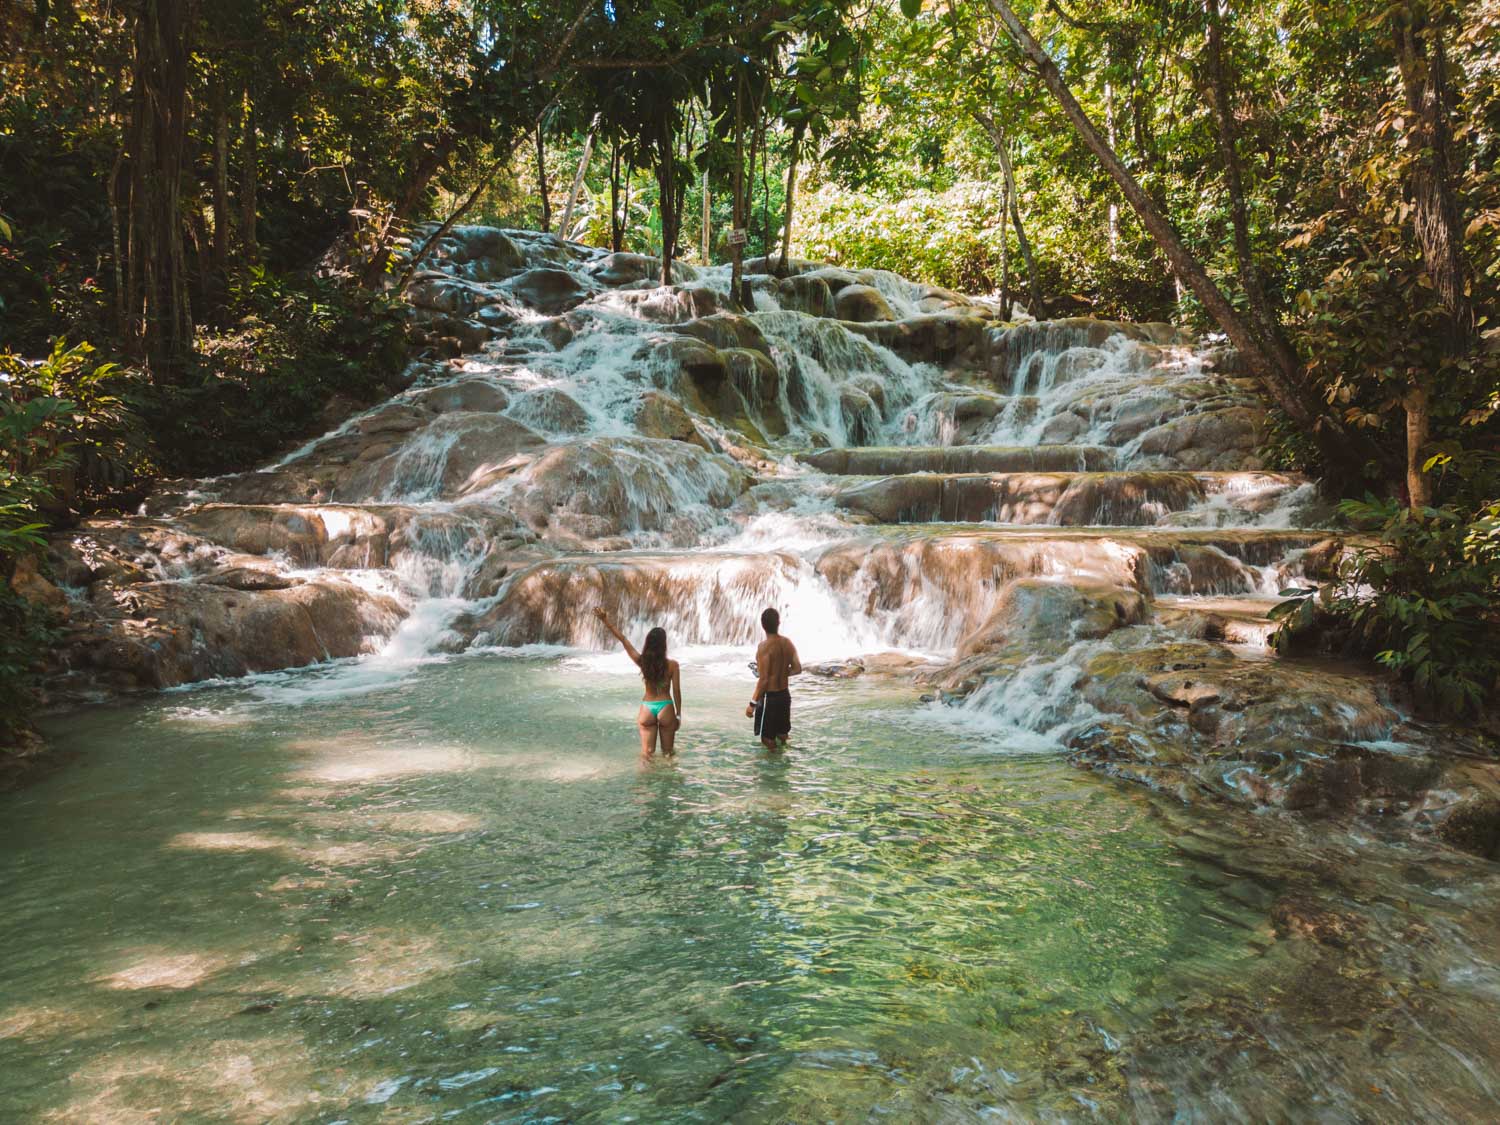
x,y
1418,429
221,183
1435,215
158,266
249,176
583,166
791,189
541,180
616,220
1002,147
737,223
625,206
1263,319
666,183
119,250
1280,373
707,231
1005,250
1112,224
420,254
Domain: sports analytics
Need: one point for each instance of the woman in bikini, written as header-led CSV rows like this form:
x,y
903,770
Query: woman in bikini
x,y
661,703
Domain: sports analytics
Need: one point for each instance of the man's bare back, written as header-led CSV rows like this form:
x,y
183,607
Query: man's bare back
x,y
776,661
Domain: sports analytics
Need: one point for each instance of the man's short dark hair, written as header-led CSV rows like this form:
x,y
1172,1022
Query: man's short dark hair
x,y
770,621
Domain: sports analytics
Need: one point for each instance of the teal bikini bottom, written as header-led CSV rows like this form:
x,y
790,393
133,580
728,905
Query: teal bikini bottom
x,y
655,705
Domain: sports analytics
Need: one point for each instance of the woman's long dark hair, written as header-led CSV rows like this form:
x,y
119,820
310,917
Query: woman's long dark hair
x,y
654,659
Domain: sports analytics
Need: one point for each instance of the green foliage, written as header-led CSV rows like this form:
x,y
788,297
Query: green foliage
x,y
71,429
26,631
34,456
1424,600
33,460
947,238
263,384
1287,449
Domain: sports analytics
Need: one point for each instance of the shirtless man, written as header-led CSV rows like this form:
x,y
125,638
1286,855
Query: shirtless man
x,y
771,705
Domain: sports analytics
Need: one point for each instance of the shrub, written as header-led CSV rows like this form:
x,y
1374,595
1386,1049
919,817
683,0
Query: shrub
x,y
1425,599
70,404
952,239
32,456
296,342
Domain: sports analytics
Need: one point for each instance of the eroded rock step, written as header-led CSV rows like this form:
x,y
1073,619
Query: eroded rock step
x,y
922,587
1063,498
1239,621
899,459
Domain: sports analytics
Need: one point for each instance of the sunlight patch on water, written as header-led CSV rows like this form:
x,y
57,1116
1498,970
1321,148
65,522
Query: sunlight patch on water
x,y
351,761
166,970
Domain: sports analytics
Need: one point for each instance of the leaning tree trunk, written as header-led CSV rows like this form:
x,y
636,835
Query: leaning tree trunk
x,y
416,187
1435,215
1281,373
706,230
164,328
583,167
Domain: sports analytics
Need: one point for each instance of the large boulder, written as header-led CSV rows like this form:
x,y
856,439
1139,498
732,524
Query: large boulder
x,y
662,417
805,294
596,489
1043,613
948,338
549,291
1219,440
305,535
551,411
862,304
666,304
619,269
159,634
727,330
477,395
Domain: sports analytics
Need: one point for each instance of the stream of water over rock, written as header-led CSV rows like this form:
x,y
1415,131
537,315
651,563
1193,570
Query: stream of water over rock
x,y
407,868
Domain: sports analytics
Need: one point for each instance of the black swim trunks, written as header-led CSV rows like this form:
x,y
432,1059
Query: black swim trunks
x,y
773,715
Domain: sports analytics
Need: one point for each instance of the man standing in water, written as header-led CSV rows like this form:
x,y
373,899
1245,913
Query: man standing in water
x,y
771,705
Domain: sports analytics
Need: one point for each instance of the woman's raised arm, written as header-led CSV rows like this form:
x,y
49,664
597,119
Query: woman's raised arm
x,y
619,636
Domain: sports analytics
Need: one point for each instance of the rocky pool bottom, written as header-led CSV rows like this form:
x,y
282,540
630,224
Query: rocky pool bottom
x,y
451,892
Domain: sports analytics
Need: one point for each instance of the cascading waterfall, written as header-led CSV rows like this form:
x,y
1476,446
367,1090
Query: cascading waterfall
x,y
535,443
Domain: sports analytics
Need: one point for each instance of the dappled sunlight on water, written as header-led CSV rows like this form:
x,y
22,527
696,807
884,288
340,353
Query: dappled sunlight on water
x,y
464,895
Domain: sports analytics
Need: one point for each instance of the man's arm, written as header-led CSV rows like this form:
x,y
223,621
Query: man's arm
x,y
795,667
763,672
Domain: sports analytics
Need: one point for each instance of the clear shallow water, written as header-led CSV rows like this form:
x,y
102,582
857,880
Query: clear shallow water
x,y
459,896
